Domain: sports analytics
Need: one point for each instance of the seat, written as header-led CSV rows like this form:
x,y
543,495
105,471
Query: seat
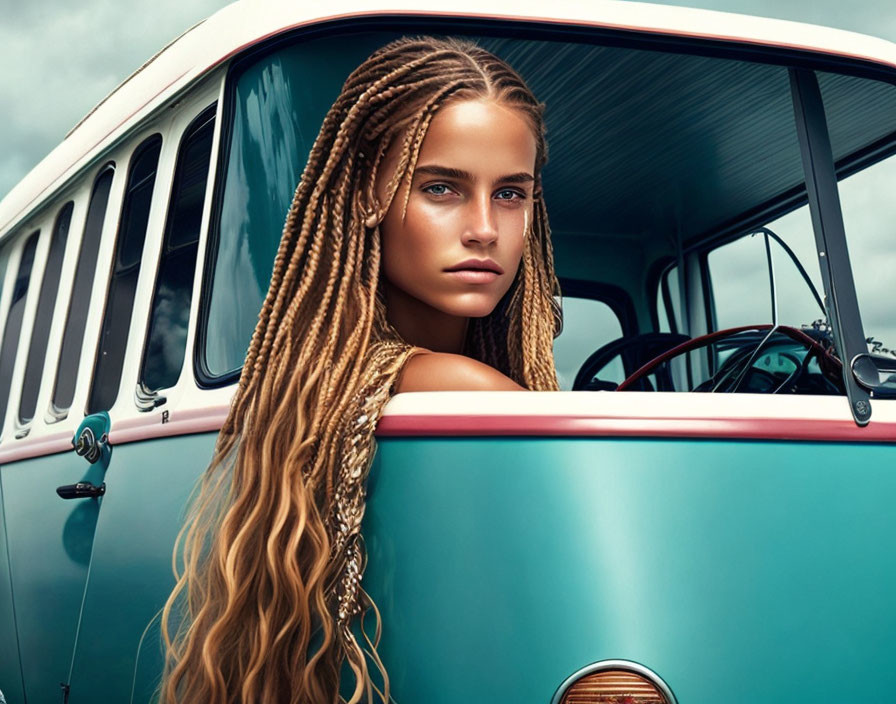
x,y
636,351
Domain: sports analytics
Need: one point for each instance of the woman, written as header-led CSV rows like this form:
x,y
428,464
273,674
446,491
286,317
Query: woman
x,y
415,256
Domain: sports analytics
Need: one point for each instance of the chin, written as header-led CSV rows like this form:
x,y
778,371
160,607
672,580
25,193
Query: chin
x,y
471,306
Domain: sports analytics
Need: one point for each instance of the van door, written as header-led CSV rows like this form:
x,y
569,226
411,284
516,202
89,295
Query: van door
x,y
118,654
47,540
53,497
160,442
10,667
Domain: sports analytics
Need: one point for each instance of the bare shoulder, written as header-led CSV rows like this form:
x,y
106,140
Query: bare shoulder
x,y
441,371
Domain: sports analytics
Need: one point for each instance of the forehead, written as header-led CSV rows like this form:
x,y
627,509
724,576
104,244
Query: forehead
x,y
481,136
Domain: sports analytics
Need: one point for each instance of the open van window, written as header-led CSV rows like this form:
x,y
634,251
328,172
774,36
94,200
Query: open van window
x,y
864,150
708,151
588,323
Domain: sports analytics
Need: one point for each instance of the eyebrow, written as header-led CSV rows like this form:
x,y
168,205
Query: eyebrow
x,y
460,175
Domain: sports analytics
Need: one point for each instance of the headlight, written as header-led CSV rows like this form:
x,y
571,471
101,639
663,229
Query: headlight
x,y
614,682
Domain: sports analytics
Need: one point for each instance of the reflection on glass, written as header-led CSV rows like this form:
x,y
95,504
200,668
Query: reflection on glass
x,y
279,104
76,319
166,339
123,284
44,316
14,316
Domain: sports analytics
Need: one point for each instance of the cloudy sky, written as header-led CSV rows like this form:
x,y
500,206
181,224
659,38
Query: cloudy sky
x,y
58,59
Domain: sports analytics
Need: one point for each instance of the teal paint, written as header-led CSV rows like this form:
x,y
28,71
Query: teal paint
x,y
10,666
738,571
147,488
743,571
49,543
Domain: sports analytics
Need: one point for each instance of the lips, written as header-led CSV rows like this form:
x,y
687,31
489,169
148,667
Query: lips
x,y
477,265
475,271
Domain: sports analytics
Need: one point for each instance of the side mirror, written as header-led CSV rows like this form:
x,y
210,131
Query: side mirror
x,y
876,373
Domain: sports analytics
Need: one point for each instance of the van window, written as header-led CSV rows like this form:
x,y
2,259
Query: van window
x,y
4,257
46,303
588,324
13,327
278,105
861,116
166,338
79,305
126,268
746,291
869,215
654,155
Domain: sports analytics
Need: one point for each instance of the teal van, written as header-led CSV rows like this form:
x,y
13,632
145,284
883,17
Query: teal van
x,y
704,514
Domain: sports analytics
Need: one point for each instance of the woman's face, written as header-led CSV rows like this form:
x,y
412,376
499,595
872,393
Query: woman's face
x,y
457,246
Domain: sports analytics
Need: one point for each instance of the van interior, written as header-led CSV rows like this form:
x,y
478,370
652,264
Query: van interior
x,y
676,192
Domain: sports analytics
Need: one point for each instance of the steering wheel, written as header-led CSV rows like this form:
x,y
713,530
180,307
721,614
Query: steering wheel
x,y
735,375
636,351
738,371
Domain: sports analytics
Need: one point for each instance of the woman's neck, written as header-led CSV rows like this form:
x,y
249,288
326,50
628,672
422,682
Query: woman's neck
x,y
422,325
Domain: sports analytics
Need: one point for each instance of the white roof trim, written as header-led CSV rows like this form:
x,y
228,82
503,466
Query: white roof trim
x,y
248,22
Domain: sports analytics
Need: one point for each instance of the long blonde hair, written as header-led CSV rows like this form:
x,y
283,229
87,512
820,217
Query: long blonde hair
x,y
251,618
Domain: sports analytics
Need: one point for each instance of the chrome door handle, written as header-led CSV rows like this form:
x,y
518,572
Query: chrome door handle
x,y
81,490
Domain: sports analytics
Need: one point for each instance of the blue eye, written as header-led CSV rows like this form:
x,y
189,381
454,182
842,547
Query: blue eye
x,y
509,194
437,189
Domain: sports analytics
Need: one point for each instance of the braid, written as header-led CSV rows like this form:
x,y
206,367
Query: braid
x,y
261,554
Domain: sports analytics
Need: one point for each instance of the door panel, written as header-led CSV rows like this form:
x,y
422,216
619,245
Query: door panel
x,y
49,543
10,668
147,487
737,571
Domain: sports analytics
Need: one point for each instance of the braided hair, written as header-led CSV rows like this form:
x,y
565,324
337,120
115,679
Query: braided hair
x,y
254,598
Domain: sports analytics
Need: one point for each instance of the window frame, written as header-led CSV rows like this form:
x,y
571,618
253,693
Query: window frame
x,y
145,144
30,232
144,398
53,413
171,125
788,58
35,356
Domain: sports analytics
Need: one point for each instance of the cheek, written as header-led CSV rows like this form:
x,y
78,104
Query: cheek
x,y
406,245
518,234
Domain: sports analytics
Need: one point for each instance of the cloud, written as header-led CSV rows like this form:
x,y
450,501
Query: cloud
x,y
60,59
872,17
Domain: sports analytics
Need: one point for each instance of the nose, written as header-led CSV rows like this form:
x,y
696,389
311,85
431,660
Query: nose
x,y
481,227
